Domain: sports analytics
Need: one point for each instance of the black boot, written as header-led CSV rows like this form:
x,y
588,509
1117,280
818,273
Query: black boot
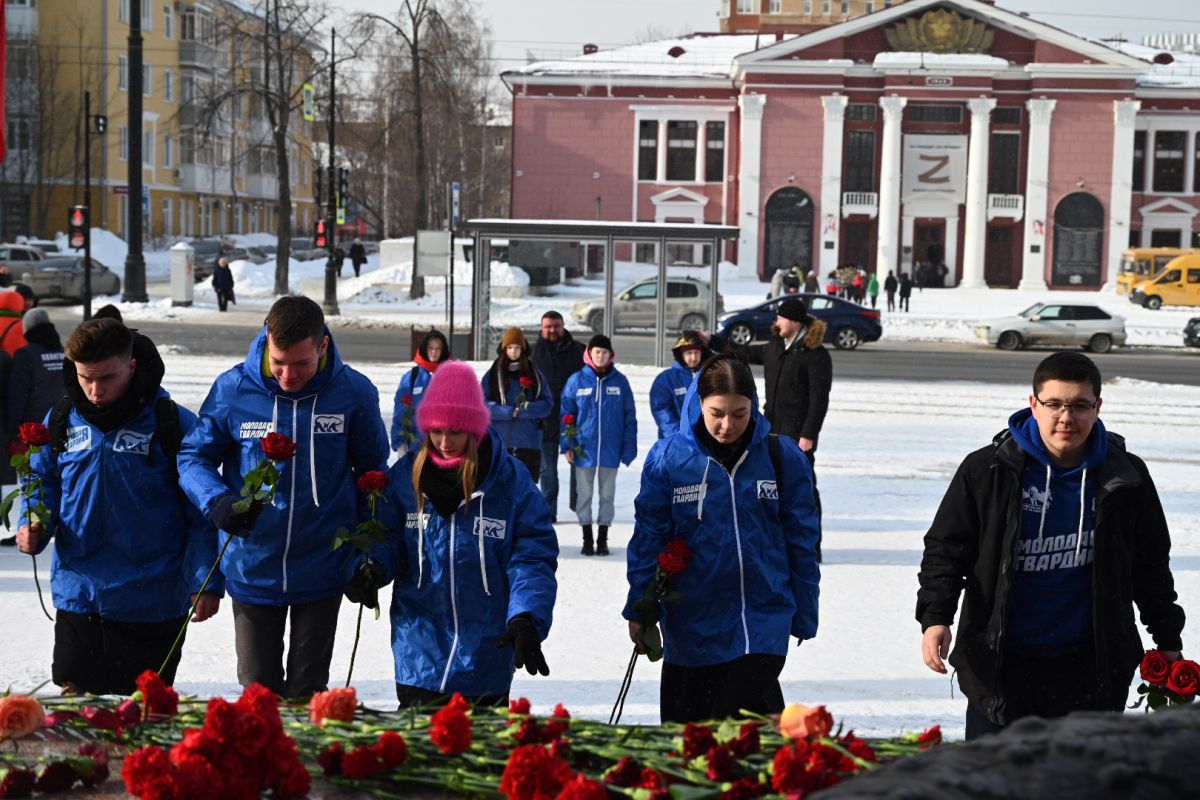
x,y
602,541
587,541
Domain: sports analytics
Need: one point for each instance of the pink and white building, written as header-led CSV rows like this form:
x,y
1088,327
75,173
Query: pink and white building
x,y
949,132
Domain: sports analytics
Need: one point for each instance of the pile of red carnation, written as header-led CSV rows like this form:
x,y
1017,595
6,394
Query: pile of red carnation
x,y
806,765
157,699
1167,682
89,769
365,761
240,752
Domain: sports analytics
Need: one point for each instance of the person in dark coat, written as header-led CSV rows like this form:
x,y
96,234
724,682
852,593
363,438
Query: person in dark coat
x,y
518,400
557,356
36,381
906,287
889,287
222,281
1055,531
358,256
799,374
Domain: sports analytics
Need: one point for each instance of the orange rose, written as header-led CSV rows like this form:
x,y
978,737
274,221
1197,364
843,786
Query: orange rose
x,y
802,722
20,715
339,704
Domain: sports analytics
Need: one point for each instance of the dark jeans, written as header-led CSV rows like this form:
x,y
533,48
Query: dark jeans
x,y
258,636
891,297
1043,686
720,691
410,696
105,657
530,457
904,302
548,478
223,298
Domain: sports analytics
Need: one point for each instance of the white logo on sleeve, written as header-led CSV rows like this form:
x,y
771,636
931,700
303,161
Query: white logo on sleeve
x,y
418,389
79,438
132,442
491,528
681,390
767,490
686,494
330,423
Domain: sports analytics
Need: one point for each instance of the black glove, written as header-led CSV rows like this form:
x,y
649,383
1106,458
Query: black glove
x,y
364,585
527,650
223,517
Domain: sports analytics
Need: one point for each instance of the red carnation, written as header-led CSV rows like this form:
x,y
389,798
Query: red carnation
x,y
99,771
34,434
330,759
278,447
652,779
147,773
528,732
744,789
158,698
747,742
583,788
450,727
361,762
18,783
555,726
1155,668
790,773
932,737
391,749
1184,679
860,749
532,773
568,419
626,773
697,740
519,706
407,399
720,764
373,481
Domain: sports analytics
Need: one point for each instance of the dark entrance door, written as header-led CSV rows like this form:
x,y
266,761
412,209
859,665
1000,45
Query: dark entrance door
x,y
856,245
1078,241
789,230
1166,238
929,252
998,258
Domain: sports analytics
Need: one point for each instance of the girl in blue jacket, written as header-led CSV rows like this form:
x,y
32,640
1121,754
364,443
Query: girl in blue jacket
x,y
518,398
742,501
601,436
472,553
433,350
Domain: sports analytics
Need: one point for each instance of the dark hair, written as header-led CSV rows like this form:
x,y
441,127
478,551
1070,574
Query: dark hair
x,y
1067,366
293,319
99,340
725,374
108,312
553,315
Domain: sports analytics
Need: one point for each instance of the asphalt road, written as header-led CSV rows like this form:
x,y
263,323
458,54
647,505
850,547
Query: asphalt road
x,y
881,360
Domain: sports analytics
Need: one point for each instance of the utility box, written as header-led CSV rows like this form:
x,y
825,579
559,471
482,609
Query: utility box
x,y
183,274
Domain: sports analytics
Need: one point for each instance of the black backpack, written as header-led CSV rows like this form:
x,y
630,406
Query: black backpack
x,y
167,428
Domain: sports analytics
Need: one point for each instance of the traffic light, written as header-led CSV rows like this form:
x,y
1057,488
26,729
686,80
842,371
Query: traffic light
x,y
77,227
321,234
101,123
343,185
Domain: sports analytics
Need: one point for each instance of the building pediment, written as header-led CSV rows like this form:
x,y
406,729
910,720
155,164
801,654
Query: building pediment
x,y
1169,205
679,196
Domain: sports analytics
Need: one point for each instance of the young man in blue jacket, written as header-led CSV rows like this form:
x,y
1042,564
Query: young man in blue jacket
x,y
282,564
600,401
668,389
122,584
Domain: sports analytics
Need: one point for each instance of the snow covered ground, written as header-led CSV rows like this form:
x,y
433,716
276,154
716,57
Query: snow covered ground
x,y
888,451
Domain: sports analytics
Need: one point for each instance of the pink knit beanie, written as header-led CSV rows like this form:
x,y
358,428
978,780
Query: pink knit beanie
x,y
454,402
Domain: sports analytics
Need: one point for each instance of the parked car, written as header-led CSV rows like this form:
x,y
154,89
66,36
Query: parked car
x,y
62,277
1055,324
1191,333
17,256
847,325
302,250
1178,284
636,306
204,260
254,255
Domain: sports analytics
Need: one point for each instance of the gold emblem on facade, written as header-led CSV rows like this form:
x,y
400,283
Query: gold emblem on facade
x,y
940,31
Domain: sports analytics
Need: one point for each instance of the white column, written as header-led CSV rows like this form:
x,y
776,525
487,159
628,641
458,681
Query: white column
x,y
831,183
1121,201
1037,184
889,185
749,183
975,234
951,254
660,168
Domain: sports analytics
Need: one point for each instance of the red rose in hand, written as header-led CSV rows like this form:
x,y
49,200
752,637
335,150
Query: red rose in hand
x,y
674,559
526,382
373,481
1155,668
278,447
407,400
1184,679
34,434
568,419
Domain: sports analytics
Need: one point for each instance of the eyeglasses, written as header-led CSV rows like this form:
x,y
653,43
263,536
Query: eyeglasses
x,y
1057,408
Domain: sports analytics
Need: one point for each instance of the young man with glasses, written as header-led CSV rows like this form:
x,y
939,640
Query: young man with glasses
x,y
1054,531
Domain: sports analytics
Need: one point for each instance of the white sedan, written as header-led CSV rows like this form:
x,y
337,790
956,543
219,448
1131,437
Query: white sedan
x,y
1056,325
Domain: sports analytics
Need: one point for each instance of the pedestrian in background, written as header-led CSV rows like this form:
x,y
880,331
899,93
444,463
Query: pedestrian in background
x,y
558,356
873,289
670,386
906,287
889,287
358,256
222,282
35,383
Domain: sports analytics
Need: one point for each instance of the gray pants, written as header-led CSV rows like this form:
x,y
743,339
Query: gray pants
x,y
586,478
258,637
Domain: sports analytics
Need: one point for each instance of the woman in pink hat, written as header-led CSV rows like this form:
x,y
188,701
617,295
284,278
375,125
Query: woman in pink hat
x,y
472,552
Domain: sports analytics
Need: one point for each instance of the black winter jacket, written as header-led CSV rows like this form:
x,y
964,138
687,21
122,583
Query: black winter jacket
x,y
798,383
222,279
557,361
971,546
35,382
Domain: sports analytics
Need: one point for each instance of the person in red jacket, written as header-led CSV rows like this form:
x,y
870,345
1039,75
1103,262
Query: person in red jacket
x,y
13,306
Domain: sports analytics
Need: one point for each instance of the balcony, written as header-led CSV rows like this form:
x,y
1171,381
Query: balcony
x,y
860,203
262,186
204,179
191,115
1007,206
21,22
193,53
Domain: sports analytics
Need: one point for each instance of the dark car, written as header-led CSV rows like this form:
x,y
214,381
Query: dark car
x,y
847,324
1191,333
204,257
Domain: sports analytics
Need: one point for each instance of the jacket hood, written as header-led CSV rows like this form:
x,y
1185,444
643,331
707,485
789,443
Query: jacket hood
x,y
692,412
257,356
12,304
587,359
814,333
689,341
1024,429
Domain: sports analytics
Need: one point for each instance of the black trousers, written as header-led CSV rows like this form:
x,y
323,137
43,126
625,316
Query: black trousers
x,y
720,691
258,637
531,457
223,299
105,657
411,696
1043,686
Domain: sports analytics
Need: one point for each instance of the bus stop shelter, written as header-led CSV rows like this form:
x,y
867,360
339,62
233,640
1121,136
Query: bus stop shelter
x,y
608,235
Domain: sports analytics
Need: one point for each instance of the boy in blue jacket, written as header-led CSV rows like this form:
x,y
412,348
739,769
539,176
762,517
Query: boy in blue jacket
x,y
601,436
668,389
122,586
282,564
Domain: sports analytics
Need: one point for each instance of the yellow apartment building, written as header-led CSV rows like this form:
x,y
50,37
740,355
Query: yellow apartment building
x,y
792,16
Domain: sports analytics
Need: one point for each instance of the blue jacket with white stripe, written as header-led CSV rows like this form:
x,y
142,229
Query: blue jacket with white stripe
x,y
605,418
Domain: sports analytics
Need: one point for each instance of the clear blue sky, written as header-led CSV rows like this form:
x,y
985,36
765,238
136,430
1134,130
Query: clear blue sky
x,y
563,26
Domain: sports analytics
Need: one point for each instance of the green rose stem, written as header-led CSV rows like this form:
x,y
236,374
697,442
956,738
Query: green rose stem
x,y
191,611
354,650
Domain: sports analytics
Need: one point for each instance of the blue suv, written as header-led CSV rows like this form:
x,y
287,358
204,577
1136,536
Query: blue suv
x,y
847,324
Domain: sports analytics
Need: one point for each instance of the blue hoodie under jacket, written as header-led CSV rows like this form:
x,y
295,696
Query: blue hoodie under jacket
x,y
459,580
605,418
525,430
339,433
753,578
666,397
127,545
1050,604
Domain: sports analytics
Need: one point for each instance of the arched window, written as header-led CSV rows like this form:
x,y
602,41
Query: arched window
x,y
1078,241
789,230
